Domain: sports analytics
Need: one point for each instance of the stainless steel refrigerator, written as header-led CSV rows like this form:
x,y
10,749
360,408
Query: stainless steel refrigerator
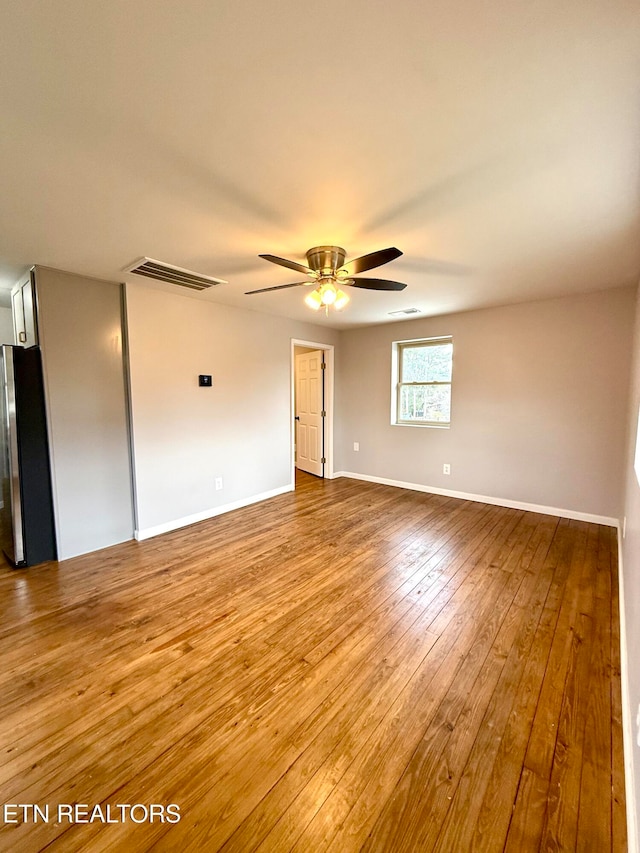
x,y
27,530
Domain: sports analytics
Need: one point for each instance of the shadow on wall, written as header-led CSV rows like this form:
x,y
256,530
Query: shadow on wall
x,y
6,324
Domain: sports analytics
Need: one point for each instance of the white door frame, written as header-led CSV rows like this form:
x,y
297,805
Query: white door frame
x,y
329,374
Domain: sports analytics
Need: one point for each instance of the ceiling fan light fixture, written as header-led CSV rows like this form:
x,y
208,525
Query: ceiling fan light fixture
x,y
313,300
341,300
328,293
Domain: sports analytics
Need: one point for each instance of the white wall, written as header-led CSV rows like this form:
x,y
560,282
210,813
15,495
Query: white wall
x,y
184,436
80,326
630,592
538,404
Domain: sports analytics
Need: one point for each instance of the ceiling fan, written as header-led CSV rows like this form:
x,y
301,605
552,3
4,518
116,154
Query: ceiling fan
x,y
328,271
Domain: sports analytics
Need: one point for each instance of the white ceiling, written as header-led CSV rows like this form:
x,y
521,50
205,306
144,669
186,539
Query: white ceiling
x,y
497,136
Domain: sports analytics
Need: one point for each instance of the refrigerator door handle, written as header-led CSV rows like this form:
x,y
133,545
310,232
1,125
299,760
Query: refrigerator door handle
x,y
9,383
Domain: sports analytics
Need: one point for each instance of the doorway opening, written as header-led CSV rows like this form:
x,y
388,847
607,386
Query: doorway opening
x,y
312,384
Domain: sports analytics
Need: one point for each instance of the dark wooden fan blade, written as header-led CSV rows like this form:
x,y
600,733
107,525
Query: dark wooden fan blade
x,y
283,262
368,262
278,287
376,284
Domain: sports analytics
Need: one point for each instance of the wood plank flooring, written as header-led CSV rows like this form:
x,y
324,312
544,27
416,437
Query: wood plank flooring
x,y
347,667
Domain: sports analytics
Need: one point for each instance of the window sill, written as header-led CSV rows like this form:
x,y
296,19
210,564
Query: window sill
x,y
421,426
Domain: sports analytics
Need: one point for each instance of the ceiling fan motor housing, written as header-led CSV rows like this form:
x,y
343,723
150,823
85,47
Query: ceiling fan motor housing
x,y
326,259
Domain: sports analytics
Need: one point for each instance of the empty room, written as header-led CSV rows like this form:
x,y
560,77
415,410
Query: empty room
x,y
320,366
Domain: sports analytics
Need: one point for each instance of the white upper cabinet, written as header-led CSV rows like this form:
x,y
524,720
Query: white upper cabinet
x,y
23,306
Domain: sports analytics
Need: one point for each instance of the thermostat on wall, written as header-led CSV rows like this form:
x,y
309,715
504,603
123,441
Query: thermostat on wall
x,y
204,380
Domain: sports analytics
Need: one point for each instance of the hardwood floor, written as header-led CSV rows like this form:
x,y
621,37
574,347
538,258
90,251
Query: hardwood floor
x,y
347,667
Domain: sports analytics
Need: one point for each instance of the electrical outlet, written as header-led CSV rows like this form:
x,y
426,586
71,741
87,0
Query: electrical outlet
x,y
218,484
356,445
446,468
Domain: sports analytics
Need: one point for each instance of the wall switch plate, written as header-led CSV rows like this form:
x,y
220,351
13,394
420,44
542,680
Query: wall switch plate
x,y
446,468
356,445
205,380
218,484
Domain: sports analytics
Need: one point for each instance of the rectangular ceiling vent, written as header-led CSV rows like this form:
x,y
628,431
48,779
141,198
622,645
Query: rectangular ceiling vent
x,y
172,274
404,311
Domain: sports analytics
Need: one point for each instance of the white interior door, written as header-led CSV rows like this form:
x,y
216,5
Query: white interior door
x,y
309,417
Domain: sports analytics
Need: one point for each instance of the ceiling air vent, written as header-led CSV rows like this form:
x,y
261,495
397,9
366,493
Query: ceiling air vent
x,y
172,274
404,311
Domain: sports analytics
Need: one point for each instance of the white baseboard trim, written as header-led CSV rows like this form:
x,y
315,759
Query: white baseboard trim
x,y
175,524
627,717
484,499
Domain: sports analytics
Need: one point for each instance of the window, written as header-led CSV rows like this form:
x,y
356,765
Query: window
x,y
423,382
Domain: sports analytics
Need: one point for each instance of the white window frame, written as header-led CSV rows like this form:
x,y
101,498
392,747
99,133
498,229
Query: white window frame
x,y
398,384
